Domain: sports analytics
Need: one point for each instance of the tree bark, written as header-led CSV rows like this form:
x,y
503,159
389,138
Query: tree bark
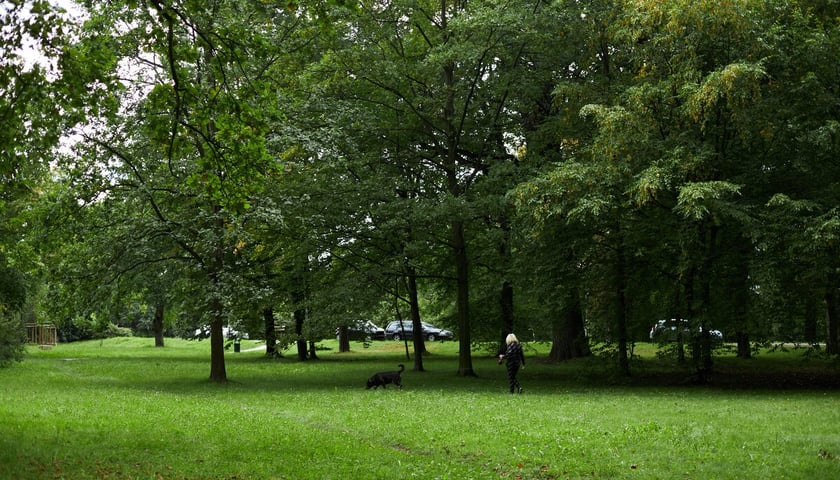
x,y
157,324
300,317
568,337
414,305
711,238
458,239
506,301
343,339
809,331
743,342
831,319
621,309
465,367
270,332
218,372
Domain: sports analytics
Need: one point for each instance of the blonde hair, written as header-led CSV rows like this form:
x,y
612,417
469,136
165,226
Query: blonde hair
x,y
511,338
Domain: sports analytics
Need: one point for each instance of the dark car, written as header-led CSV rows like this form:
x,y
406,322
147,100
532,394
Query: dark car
x,y
666,330
363,330
430,332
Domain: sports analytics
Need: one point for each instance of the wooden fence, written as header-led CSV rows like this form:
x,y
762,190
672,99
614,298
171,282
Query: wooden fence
x,y
41,334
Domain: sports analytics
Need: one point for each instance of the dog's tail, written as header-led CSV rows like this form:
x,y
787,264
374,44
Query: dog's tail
x,y
402,367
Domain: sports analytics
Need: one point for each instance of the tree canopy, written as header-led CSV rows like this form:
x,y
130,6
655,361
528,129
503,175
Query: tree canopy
x,y
569,170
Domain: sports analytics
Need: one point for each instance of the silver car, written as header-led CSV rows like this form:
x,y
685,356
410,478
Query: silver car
x,y
666,330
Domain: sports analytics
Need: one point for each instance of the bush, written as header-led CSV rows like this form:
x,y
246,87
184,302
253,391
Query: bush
x,y
110,330
12,337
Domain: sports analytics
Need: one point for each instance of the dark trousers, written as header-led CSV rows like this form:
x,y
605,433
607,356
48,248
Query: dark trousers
x,y
512,370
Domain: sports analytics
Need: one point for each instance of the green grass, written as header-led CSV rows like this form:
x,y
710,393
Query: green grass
x,y
122,409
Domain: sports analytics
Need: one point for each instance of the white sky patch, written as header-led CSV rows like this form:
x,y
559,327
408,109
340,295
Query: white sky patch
x,y
30,54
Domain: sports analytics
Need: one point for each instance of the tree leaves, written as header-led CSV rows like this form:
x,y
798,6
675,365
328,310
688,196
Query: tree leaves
x,y
699,200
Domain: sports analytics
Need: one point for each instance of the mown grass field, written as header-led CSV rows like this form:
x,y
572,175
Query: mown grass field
x,y
122,409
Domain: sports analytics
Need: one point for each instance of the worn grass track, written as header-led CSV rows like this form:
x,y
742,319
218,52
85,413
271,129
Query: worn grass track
x,y
122,409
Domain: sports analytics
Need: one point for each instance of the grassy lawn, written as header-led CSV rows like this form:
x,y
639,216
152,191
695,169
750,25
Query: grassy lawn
x,y
122,409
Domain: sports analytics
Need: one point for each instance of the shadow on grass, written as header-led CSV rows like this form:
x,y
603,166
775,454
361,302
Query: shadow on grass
x,y
185,370
291,376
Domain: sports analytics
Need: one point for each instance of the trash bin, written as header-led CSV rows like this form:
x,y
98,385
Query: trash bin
x,y
236,347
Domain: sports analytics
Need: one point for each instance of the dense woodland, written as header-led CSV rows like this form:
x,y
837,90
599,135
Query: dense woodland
x,y
568,170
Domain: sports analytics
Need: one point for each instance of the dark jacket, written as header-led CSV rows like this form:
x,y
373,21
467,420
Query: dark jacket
x,y
514,355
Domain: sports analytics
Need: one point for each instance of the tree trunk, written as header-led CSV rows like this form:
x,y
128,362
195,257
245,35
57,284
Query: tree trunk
x,y
218,372
413,301
741,299
453,187
687,296
313,352
809,330
217,344
568,338
299,296
343,339
300,317
157,324
831,319
506,303
270,332
506,293
414,304
465,367
621,313
743,341
711,240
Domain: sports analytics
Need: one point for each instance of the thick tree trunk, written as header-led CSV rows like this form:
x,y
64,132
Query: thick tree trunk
x,y
218,372
743,343
270,332
343,340
157,324
568,337
465,367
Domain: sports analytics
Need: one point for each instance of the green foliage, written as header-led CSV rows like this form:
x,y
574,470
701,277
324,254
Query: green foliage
x,y
13,297
697,200
12,336
654,158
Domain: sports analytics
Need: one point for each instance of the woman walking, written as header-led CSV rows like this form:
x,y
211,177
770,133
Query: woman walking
x,y
513,358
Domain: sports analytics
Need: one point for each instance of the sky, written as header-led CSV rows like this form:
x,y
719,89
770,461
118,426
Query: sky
x,y
30,54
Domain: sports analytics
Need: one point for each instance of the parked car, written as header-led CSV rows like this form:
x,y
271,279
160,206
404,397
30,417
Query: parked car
x,y
229,333
430,332
666,330
364,330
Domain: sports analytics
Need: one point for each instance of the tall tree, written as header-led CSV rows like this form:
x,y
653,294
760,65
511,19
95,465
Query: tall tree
x,y
442,72
31,112
185,140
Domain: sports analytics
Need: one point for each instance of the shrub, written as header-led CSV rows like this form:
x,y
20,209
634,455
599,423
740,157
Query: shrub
x,y
110,330
12,337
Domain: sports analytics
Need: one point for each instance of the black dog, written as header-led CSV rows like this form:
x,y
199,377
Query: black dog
x,y
384,378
